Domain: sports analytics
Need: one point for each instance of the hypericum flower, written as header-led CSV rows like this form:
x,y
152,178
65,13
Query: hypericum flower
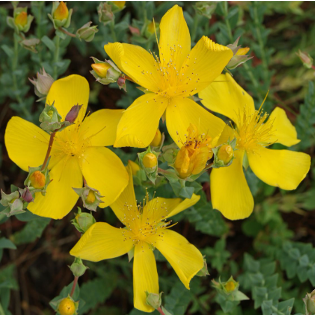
x,y
145,228
253,133
170,79
194,153
77,151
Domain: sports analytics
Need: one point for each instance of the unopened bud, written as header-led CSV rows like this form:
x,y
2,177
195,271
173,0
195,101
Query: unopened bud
x,y
205,8
61,12
134,167
149,160
101,69
157,139
21,20
151,28
78,269
73,113
122,83
105,13
242,51
119,4
309,302
230,286
27,195
91,197
38,180
42,84
87,32
67,307
83,221
239,55
225,153
105,72
154,300
306,59
12,202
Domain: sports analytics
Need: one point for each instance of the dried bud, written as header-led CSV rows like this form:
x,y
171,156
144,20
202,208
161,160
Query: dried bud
x,y
149,160
205,8
77,267
30,44
14,205
105,13
26,195
134,167
154,300
42,84
157,139
91,197
60,15
87,32
73,113
67,306
306,59
105,72
122,83
21,21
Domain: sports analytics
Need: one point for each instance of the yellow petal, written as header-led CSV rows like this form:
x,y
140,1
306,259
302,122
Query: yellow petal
x,y
282,130
60,198
137,63
104,171
100,127
145,276
174,44
205,63
184,257
226,135
67,92
230,193
140,121
280,168
26,143
162,208
226,97
182,112
126,201
102,241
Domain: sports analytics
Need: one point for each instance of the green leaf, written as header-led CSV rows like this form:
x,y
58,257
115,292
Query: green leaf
x,y
5,243
49,43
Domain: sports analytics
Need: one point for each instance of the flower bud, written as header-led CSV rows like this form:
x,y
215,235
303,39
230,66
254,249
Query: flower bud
x,y
83,221
122,83
154,300
225,153
105,14
118,4
309,302
91,197
149,160
42,84
242,51
105,72
77,267
239,55
37,180
134,167
60,15
73,113
205,8
51,120
67,307
61,12
21,20
26,195
229,286
151,28
101,69
12,203
306,59
157,139
87,32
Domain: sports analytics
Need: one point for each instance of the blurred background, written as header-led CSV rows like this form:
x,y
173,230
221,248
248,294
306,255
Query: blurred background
x,y
271,254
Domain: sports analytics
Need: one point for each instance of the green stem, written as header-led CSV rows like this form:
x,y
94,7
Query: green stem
x,y
112,30
195,26
227,22
56,56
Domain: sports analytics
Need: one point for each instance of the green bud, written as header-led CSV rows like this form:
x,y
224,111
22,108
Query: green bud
x,y
224,154
21,21
91,197
105,72
77,267
87,32
149,163
83,221
14,205
205,8
154,300
105,13
306,59
42,85
309,302
60,15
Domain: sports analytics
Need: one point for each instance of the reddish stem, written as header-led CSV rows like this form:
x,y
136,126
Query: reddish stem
x,y
66,32
75,281
160,311
313,67
51,141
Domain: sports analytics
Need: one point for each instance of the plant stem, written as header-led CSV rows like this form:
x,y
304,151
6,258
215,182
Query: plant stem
x,y
51,141
112,29
56,56
66,32
195,26
75,281
160,311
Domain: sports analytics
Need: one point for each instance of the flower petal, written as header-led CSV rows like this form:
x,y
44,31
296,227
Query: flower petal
x,y
184,257
137,63
204,64
226,97
67,92
126,201
182,112
26,143
175,44
280,168
60,198
102,241
101,126
230,193
282,130
104,171
145,276
140,121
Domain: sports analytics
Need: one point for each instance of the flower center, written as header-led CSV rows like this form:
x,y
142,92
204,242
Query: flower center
x,y
254,130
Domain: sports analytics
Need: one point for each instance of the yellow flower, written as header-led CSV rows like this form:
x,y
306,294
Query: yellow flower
x,y
170,80
77,151
21,19
195,152
62,12
146,228
253,132
156,142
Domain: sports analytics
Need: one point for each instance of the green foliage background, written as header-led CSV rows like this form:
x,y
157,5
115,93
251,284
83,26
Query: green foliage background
x,y
271,253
